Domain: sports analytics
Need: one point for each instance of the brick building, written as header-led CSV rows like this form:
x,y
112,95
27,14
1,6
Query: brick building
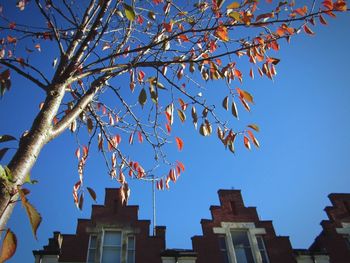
x,y
234,234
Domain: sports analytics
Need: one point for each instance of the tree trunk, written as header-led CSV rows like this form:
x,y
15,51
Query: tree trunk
x,y
28,151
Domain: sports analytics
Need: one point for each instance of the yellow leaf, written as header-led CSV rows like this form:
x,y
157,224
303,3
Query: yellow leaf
x,y
222,33
234,5
129,12
236,16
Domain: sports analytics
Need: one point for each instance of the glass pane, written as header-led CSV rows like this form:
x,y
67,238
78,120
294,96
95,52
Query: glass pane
x,y
260,242
244,255
112,239
91,256
93,241
240,239
131,243
111,255
264,256
131,256
222,243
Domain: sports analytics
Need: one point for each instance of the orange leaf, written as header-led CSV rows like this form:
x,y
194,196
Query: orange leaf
x,y
9,246
246,142
222,33
180,165
179,143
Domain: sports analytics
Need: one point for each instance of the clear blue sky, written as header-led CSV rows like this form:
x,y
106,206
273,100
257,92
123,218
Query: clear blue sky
x,y
305,149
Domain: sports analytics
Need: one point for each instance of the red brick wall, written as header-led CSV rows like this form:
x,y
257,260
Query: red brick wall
x,y
232,209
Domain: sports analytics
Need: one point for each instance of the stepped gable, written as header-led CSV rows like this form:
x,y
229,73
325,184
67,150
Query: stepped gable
x,y
335,236
233,210
113,215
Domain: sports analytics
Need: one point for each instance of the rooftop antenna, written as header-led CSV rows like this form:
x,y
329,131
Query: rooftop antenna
x,y
154,205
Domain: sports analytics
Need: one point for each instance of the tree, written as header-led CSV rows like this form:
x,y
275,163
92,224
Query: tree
x,y
162,49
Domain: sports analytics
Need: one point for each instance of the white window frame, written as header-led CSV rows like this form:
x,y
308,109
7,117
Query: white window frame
x,y
128,249
102,241
345,232
89,248
252,231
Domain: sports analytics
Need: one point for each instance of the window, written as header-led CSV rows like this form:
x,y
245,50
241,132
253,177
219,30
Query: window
x,y
131,250
111,247
223,248
262,249
347,241
242,247
92,249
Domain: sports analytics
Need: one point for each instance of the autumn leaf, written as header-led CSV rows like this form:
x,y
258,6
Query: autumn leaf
x,y
92,193
32,213
254,127
245,95
179,143
9,246
6,138
233,5
246,142
129,12
180,165
139,136
225,103
222,33
234,109
182,115
308,30
142,97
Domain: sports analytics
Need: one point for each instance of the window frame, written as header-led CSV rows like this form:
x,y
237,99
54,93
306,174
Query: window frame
x,y
102,242
88,260
252,233
128,248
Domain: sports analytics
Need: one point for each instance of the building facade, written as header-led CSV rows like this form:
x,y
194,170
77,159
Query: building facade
x,y
234,234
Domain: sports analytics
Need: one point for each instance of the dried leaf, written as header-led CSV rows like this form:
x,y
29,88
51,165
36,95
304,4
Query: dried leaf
x,y
182,115
194,117
254,127
90,125
225,103
234,5
308,30
6,138
142,97
179,143
246,142
33,215
92,193
9,246
234,109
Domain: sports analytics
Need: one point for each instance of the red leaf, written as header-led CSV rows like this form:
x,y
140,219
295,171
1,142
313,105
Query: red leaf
x,y
179,143
180,165
308,30
322,20
131,138
140,76
140,137
85,151
12,25
168,128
